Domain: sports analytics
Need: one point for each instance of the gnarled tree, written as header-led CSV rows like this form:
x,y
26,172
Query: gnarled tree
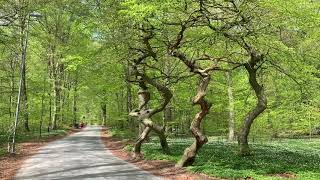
x,y
238,27
190,152
252,66
144,113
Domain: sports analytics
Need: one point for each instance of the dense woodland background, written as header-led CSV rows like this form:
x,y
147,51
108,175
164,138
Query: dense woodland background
x,y
87,60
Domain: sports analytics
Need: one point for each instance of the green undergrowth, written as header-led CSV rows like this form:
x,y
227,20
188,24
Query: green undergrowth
x,y
24,136
300,158
123,134
2,151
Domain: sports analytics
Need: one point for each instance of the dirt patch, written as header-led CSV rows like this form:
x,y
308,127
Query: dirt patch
x,y
284,175
10,164
165,169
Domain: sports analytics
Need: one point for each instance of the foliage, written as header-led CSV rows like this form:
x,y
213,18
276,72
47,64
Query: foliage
x,y
220,158
81,57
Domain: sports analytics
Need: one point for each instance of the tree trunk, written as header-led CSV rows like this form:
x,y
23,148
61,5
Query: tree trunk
x,y
160,132
12,84
50,72
24,45
54,75
167,115
74,109
256,111
231,135
56,104
144,115
190,153
144,97
129,95
63,93
42,108
50,112
25,101
137,146
149,125
104,113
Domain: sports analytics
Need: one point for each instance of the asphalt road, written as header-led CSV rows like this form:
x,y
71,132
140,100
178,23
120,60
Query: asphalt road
x,y
79,156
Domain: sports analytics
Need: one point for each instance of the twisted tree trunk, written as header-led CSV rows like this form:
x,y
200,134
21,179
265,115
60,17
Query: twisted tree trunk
x,y
144,97
144,114
160,132
137,146
190,153
260,106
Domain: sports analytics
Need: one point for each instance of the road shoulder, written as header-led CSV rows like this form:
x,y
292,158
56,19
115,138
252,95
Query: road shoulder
x,y
10,164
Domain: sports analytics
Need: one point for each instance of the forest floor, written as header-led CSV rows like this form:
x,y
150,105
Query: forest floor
x,y
271,160
161,168
28,145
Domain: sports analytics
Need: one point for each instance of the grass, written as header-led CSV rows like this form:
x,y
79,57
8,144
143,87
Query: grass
x,y
123,134
2,151
219,158
30,136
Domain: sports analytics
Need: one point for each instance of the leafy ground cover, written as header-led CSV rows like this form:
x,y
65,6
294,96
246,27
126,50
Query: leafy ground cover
x,y
279,159
299,159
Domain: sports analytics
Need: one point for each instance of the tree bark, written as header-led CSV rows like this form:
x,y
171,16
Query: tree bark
x,y
74,107
24,42
24,45
25,101
231,135
104,113
137,146
190,153
260,106
56,104
144,114
50,112
129,94
56,89
42,108
12,84
161,134
167,114
144,97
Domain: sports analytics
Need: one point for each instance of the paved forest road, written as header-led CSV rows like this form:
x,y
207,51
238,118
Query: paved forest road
x,y
79,156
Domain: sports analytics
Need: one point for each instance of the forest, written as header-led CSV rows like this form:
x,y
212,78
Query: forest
x,y
228,88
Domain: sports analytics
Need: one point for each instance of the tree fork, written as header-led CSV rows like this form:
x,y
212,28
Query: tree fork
x,y
137,146
144,114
